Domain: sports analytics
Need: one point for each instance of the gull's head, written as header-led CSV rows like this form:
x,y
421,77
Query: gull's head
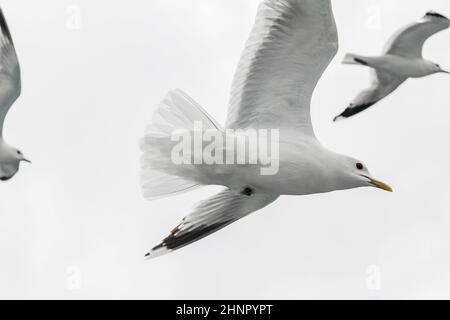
x,y
10,159
433,68
19,156
357,175
14,155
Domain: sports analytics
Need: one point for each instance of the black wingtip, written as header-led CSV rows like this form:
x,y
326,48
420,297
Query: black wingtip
x,y
338,118
361,61
178,240
158,251
4,26
435,15
353,110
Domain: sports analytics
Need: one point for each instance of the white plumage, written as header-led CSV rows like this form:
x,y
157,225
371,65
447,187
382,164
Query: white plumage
x,y
291,45
402,59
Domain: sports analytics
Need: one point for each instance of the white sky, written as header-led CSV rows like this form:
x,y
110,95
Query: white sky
x,y
77,212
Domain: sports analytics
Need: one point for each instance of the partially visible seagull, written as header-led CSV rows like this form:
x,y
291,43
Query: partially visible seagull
x,y
402,60
10,88
291,45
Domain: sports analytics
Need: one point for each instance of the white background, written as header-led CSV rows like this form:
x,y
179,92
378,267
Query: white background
x,y
74,224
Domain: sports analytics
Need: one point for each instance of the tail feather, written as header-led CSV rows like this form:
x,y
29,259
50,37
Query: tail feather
x,y
156,185
160,177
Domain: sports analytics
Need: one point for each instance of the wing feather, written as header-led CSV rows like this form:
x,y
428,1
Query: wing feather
x,y
383,84
409,41
210,216
10,80
292,43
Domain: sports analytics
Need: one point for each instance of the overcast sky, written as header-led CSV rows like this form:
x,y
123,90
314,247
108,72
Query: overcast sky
x,y
74,224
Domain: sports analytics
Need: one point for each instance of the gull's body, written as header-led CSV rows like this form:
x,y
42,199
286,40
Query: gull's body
x,y
10,88
401,60
291,45
301,158
399,66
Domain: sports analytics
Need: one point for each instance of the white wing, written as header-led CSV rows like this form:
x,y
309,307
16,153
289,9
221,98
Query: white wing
x,y
409,41
10,83
210,216
383,84
291,45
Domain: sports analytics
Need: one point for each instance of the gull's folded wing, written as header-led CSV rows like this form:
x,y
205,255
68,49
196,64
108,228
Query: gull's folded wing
x,y
383,84
409,41
291,45
210,216
10,83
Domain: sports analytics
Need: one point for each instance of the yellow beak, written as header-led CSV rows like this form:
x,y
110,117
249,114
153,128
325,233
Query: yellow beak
x,y
380,185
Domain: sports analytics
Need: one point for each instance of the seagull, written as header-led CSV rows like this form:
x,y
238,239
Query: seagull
x,y
291,45
401,60
10,88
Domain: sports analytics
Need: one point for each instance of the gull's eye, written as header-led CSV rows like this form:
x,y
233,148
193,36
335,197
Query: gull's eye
x,y
19,153
437,66
359,166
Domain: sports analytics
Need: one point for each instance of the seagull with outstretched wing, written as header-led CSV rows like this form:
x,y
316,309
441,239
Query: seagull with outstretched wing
x,y
10,88
401,60
291,45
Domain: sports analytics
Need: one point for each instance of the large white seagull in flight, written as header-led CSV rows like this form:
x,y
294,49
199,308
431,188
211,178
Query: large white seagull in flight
x,y
291,45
